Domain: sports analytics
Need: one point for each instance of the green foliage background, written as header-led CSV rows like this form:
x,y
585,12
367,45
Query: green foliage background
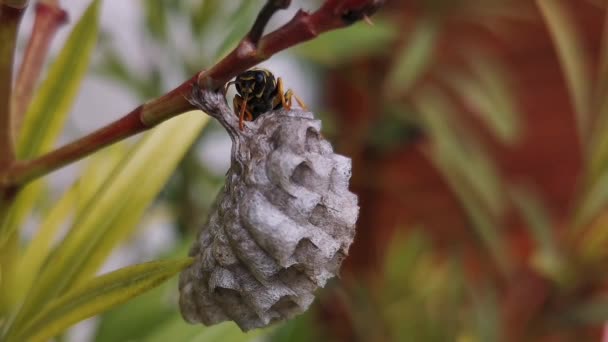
x,y
47,287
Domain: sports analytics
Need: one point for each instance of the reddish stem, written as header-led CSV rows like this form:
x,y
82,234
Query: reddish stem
x,y
130,124
302,27
49,17
10,18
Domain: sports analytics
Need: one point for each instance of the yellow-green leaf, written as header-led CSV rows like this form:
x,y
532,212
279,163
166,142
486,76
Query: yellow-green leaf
x,y
47,114
598,144
467,169
571,53
334,47
95,296
414,57
486,89
547,257
112,213
161,142
80,192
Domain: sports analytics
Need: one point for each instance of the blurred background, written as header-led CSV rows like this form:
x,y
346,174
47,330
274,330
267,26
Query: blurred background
x,y
475,129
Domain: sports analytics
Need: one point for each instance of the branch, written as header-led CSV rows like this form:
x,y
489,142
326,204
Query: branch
x,y
250,51
24,171
303,27
11,12
49,17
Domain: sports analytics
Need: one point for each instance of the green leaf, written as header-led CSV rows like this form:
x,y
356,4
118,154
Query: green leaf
x,y
178,330
80,192
414,57
403,254
138,318
547,257
598,145
573,59
486,314
141,316
241,22
202,16
156,19
46,115
486,89
536,217
227,331
591,312
335,47
95,296
164,142
592,203
8,269
468,171
113,212
299,329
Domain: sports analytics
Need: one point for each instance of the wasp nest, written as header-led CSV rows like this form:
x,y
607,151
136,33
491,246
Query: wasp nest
x,y
281,226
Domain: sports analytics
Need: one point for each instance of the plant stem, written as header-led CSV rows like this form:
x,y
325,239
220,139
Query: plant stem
x,y
49,17
11,13
252,50
302,27
174,102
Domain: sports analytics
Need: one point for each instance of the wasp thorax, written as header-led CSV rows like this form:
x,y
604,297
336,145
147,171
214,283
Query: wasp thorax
x,y
281,226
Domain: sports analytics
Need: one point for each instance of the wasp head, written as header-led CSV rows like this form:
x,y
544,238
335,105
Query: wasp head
x,y
255,83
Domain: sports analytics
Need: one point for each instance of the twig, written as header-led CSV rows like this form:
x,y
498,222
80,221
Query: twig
x,y
49,17
174,102
303,26
11,13
333,14
269,9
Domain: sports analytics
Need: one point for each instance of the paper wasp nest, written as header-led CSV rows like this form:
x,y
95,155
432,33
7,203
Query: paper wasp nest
x,y
281,226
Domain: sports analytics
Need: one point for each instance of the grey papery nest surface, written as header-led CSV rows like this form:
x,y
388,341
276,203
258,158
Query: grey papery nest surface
x,y
281,226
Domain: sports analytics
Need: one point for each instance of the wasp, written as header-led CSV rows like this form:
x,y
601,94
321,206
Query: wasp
x,y
259,92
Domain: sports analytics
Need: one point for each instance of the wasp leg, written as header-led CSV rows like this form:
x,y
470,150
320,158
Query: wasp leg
x,y
286,96
289,95
239,109
248,115
281,95
236,104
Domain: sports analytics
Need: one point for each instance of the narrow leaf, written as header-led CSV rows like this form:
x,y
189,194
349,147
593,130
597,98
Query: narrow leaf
x,y
46,116
593,312
486,89
149,184
414,57
546,257
141,316
115,209
97,295
593,201
467,170
598,153
333,48
38,249
571,53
